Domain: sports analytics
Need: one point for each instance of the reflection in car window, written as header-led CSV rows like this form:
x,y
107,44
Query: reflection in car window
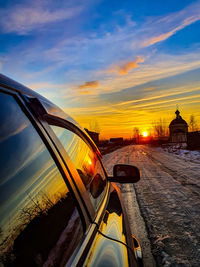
x,y
38,217
86,163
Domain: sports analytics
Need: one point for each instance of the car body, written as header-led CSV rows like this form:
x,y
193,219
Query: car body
x,y
58,206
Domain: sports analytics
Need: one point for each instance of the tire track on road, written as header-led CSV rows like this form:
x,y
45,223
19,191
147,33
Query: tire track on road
x,y
157,183
179,177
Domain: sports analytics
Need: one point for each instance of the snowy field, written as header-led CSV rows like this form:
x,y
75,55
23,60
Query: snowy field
x,y
169,200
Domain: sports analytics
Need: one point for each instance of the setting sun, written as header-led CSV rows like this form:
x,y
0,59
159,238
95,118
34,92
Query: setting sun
x,y
145,134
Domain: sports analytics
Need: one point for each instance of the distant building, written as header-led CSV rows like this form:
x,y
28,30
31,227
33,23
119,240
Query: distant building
x,y
94,136
178,129
118,140
193,140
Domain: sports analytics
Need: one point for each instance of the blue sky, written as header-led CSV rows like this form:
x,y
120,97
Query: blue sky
x,y
122,64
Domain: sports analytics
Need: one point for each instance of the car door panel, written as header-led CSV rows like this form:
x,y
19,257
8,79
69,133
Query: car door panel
x,y
105,251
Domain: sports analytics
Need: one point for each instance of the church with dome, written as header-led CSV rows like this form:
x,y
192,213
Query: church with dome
x,y
178,129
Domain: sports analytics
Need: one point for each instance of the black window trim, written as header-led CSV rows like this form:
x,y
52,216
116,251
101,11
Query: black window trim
x,y
60,122
71,169
57,121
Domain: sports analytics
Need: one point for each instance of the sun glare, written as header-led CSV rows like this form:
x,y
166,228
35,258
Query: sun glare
x,y
145,134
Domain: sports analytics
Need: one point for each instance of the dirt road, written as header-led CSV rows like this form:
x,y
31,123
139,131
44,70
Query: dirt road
x,y
169,200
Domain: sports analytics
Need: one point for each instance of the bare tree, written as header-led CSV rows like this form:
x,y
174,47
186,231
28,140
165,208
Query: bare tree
x,y
160,128
193,124
38,207
136,134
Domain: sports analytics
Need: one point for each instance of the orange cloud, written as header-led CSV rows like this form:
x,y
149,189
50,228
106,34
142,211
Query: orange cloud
x,y
124,68
90,84
84,92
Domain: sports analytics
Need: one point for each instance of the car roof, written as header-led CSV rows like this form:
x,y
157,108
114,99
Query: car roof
x,y
50,107
15,86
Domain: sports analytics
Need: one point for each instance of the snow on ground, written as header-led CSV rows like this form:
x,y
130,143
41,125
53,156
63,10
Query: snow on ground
x,y
169,199
189,155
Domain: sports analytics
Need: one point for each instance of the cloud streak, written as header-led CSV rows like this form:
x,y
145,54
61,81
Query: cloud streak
x,y
176,21
164,36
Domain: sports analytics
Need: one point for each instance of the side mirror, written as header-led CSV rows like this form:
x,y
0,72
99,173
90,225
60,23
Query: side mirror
x,y
123,173
97,186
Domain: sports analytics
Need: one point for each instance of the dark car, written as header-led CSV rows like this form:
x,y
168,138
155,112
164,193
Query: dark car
x,y
58,206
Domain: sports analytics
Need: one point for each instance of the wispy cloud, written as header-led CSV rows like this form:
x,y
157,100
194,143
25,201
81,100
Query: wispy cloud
x,y
124,68
172,23
164,36
22,19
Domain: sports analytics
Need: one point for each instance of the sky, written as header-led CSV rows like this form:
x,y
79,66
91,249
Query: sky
x,y
111,65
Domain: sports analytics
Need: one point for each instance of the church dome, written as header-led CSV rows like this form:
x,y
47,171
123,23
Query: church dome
x,y
178,119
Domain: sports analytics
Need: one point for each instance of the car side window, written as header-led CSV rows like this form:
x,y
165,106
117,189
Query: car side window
x,y
39,222
86,163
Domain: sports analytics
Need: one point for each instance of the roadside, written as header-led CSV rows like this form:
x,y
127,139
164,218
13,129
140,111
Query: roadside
x,y
137,224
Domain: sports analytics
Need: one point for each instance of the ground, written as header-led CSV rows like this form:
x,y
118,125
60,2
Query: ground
x,y
168,196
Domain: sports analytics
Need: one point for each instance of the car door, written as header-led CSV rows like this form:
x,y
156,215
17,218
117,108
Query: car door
x,y
108,232
42,221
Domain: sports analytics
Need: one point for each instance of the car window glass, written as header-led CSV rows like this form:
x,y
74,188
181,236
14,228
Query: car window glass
x,y
39,222
86,163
